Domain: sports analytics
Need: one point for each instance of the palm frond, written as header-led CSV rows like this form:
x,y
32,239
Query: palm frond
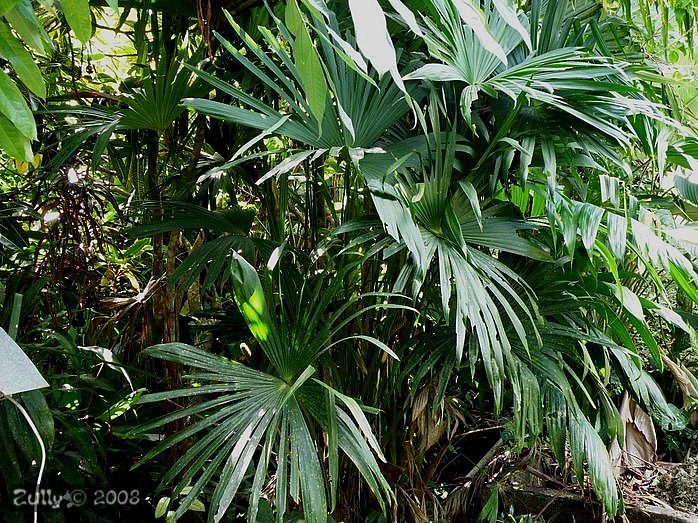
x,y
256,415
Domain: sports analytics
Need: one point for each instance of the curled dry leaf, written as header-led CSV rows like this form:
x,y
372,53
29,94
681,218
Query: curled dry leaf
x,y
640,439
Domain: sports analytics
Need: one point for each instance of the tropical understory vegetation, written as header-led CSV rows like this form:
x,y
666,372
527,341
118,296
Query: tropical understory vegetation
x,y
313,259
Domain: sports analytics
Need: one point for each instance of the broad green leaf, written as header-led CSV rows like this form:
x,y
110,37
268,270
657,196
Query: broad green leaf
x,y
648,338
250,298
549,158
556,420
286,165
490,511
687,234
600,469
238,462
528,144
503,234
610,262
14,107
473,198
356,449
687,187
586,445
21,434
318,7
350,55
307,62
24,21
79,17
467,96
617,233
569,226
197,506
669,315
6,6
346,121
252,303
360,418
609,189
189,355
631,303
688,285
13,142
662,144
41,415
312,481
589,220
12,50
162,506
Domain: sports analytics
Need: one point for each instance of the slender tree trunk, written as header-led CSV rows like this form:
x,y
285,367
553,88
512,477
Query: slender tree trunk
x,y
158,263
170,306
163,303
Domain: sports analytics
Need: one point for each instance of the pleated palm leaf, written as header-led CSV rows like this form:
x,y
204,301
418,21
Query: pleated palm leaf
x,y
562,98
557,388
157,104
522,88
154,106
273,420
229,228
331,102
593,321
569,109
488,296
428,202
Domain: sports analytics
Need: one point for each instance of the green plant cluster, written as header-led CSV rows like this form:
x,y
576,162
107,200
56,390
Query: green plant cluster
x,y
311,260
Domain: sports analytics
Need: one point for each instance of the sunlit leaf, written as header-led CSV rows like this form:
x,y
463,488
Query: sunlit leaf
x,y
307,62
474,18
12,50
79,17
373,38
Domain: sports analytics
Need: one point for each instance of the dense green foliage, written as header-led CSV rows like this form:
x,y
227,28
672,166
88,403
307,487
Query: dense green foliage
x,y
286,261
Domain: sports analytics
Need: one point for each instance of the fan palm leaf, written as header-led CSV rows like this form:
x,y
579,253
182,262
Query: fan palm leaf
x,y
256,414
